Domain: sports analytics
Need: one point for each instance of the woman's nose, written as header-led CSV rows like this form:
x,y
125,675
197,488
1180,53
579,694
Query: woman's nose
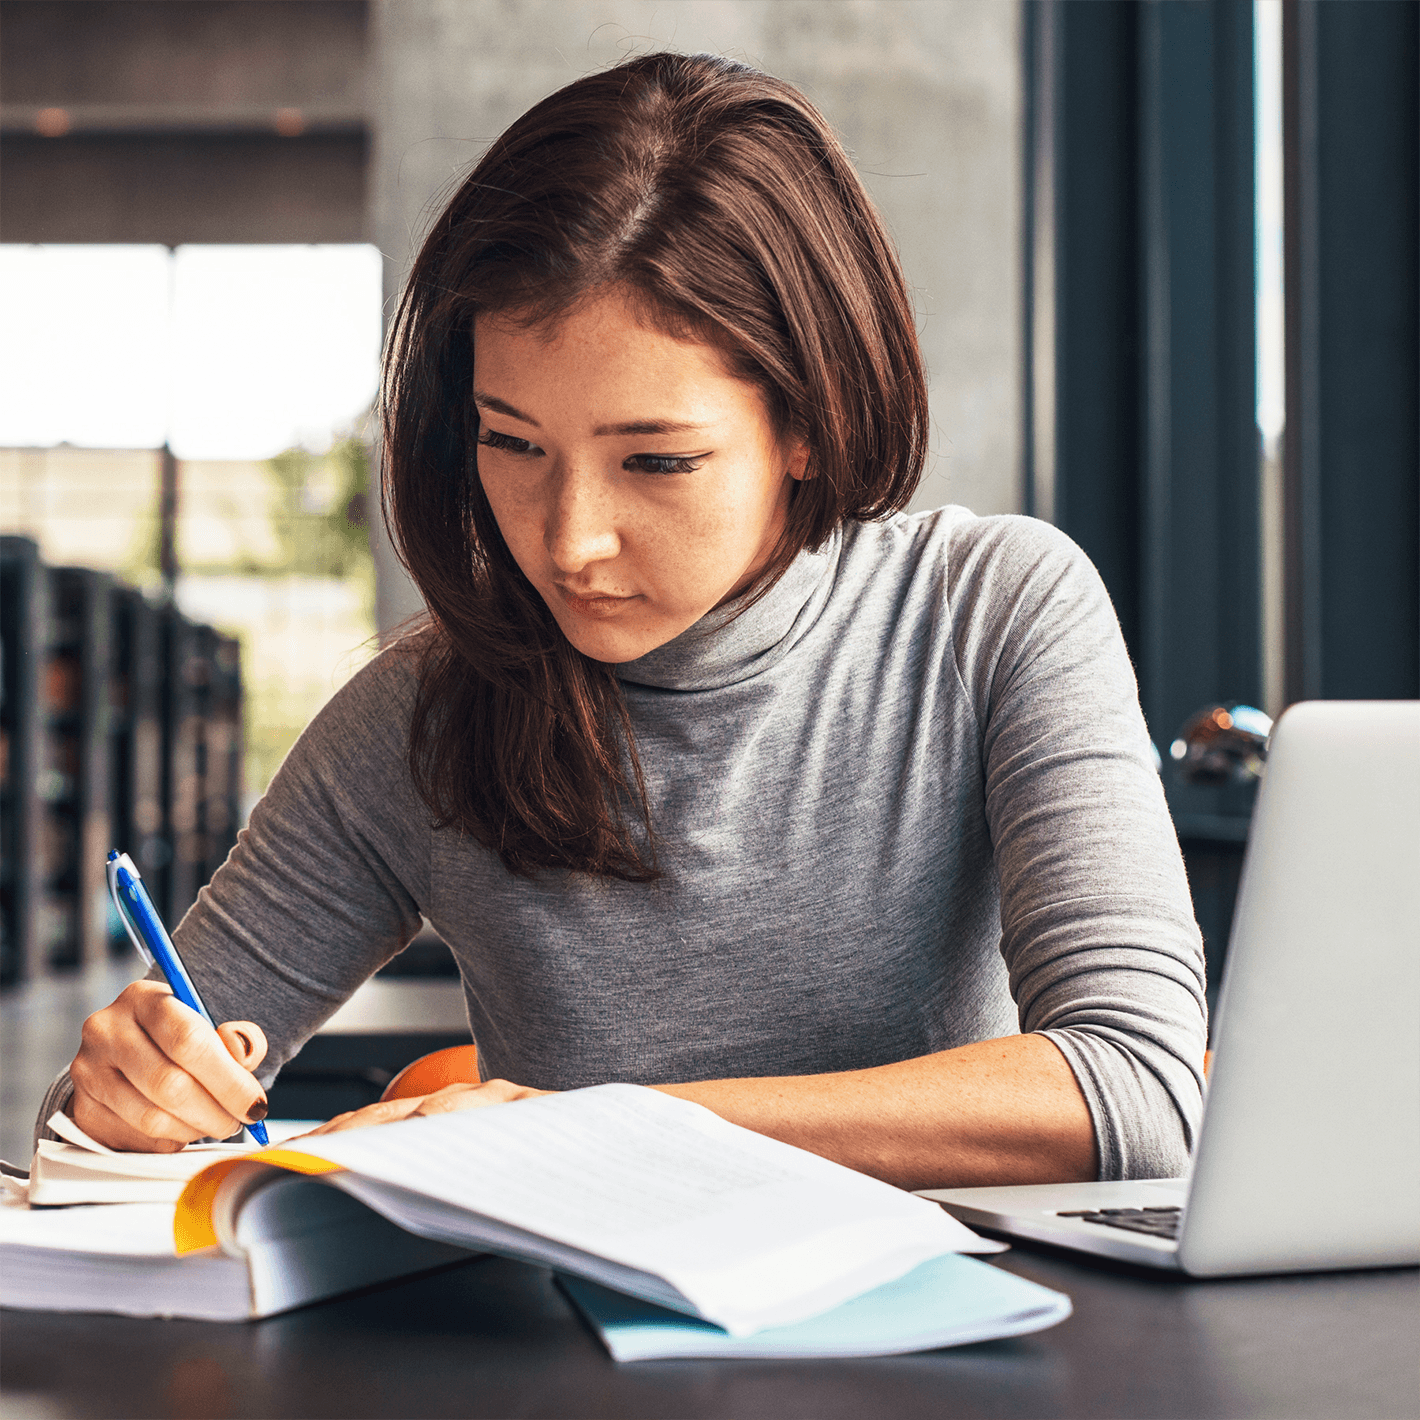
x,y
581,521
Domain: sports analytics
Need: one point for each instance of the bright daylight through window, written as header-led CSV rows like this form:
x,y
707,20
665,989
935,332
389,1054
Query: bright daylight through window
x,y
256,366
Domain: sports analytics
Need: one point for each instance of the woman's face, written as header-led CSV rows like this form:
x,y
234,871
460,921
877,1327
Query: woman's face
x,y
637,482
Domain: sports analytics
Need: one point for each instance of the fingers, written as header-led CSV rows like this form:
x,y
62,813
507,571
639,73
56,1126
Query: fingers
x,y
456,1097
245,1042
121,1066
99,1122
385,1112
151,1074
445,1101
207,1066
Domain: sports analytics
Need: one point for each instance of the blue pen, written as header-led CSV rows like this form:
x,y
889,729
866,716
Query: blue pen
x,y
146,931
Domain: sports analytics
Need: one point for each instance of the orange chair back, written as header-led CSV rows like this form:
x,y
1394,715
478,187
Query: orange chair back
x,y
458,1065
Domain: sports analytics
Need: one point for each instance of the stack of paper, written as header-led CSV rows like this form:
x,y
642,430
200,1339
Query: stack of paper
x,y
120,1258
116,1258
78,1169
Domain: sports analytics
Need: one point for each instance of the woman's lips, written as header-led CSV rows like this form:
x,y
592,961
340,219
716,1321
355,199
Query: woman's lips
x,y
595,604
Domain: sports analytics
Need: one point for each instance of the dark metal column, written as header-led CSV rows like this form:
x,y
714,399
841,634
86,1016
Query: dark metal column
x,y
1093,149
1353,367
1200,579
168,508
1142,164
1155,457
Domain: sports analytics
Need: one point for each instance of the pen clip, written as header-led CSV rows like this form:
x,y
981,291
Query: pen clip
x,y
115,862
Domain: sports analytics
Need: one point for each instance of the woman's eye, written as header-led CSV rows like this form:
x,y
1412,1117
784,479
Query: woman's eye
x,y
491,439
655,463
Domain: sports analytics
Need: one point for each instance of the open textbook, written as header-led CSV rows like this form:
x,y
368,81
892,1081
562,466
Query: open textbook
x,y
624,1187
637,1190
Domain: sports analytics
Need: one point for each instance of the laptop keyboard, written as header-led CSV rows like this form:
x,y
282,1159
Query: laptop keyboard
x,y
1157,1222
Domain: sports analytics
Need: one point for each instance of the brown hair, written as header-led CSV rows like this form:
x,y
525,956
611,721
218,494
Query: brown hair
x,y
719,198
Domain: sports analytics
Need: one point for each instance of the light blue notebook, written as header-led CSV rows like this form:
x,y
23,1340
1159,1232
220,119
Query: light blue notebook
x,y
947,1301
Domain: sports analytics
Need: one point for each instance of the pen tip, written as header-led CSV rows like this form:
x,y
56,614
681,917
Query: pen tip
x,y
112,854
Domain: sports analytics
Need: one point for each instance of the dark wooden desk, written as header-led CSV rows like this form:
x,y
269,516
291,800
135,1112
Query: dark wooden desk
x,y
494,1338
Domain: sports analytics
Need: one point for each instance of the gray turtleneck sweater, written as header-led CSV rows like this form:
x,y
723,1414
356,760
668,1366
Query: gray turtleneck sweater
x,y
905,802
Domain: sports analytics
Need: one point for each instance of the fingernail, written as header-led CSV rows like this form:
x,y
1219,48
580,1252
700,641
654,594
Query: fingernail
x,y
257,1112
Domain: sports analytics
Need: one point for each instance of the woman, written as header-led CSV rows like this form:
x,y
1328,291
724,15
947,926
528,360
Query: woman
x,y
715,771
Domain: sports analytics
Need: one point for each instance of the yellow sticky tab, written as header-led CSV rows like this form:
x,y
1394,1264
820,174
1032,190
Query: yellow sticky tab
x,y
192,1223
294,1160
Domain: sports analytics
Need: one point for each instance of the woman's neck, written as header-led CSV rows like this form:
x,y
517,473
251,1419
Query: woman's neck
x,y
744,636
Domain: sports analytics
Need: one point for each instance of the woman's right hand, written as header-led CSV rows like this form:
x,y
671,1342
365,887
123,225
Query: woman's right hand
x,y
151,1075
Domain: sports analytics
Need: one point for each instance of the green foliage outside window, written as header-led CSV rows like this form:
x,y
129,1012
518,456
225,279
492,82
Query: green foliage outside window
x,y
320,536
314,518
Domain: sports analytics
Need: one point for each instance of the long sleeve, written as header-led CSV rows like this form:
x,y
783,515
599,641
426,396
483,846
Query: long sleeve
x,y
1097,925
326,883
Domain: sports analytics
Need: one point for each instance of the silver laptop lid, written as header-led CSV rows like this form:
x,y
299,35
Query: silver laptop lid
x,y
1310,1156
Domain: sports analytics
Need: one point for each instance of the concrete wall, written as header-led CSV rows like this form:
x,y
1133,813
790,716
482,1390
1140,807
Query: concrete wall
x,y
215,58
183,121
926,95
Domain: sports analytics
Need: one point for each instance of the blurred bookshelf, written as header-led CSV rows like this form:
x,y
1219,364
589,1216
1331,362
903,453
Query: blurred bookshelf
x,y
120,726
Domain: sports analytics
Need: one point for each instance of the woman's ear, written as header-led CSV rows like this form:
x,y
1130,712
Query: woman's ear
x,y
798,465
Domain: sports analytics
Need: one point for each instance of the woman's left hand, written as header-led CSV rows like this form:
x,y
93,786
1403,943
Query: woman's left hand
x,y
445,1101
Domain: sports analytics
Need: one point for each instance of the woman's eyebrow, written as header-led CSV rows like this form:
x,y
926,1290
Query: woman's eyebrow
x,y
649,426
501,406
635,426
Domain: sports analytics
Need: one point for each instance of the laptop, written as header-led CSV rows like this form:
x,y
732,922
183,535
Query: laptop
x,y
1308,1157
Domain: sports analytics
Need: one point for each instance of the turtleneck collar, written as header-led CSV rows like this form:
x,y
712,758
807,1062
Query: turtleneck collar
x,y
723,647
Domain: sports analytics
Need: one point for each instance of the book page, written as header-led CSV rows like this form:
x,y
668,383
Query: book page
x,y
114,1258
56,1159
78,1169
117,1230
752,1231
